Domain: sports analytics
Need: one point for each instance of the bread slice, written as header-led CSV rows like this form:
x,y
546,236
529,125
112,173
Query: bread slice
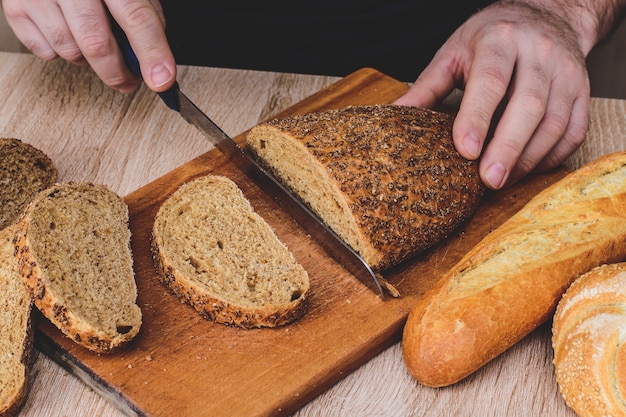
x,y
24,171
73,251
386,178
511,281
16,337
212,250
589,341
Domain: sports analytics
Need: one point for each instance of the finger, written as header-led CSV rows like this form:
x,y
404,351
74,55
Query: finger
x,y
487,84
548,133
58,33
31,37
434,83
89,24
519,123
146,33
573,136
562,128
26,30
159,9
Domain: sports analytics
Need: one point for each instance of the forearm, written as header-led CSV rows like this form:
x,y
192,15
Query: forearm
x,y
590,20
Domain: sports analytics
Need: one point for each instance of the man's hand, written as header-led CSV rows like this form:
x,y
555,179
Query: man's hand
x,y
79,31
527,59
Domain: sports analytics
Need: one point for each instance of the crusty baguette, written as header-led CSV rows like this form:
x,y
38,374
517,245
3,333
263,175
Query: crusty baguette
x,y
16,337
73,252
213,251
511,281
386,178
24,171
589,341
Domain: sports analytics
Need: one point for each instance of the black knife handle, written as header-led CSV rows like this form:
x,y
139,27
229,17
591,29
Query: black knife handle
x,y
169,97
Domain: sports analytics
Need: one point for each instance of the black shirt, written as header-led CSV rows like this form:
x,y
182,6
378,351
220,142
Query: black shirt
x,y
324,37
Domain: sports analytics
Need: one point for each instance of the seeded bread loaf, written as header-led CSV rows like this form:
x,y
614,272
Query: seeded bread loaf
x,y
511,281
73,252
589,340
212,250
387,179
16,338
24,171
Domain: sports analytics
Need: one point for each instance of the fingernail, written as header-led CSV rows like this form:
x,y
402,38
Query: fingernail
x,y
472,145
160,75
495,175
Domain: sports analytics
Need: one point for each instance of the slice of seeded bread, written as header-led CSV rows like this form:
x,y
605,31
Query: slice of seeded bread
x,y
24,171
73,251
16,339
213,251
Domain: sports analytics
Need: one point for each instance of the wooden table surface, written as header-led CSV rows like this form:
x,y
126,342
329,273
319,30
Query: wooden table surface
x,y
50,105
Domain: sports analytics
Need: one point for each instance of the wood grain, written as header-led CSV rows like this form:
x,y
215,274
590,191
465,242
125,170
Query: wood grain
x,y
346,324
128,141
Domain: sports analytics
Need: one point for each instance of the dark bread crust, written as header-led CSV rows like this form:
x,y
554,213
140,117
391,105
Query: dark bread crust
x,y
221,311
46,299
395,168
25,171
196,208
13,404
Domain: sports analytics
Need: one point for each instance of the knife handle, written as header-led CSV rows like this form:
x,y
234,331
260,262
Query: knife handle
x,y
169,97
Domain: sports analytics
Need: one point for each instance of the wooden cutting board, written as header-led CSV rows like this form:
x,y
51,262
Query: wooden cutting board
x,y
183,365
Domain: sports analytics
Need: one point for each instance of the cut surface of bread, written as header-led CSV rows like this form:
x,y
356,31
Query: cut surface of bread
x,y
589,341
386,178
24,171
73,252
212,250
16,338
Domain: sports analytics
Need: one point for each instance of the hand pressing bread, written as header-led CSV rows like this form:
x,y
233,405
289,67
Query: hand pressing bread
x,y
511,281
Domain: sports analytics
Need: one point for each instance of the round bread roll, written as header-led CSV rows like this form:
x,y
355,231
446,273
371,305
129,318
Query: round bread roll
x,y
589,335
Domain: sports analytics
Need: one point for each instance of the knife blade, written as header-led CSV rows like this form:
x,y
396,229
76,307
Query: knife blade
x,y
247,163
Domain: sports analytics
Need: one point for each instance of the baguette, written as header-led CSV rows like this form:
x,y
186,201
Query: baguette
x,y
24,171
16,336
386,178
73,252
511,281
589,339
214,252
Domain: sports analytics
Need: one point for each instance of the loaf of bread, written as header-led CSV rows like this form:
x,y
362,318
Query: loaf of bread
x,y
213,251
511,281
386,178
24,171
73,252
16,337
589,341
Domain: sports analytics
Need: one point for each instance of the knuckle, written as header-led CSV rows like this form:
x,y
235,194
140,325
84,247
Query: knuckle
x,y
96,46
41,51
13,10
534,102
139,14
553,125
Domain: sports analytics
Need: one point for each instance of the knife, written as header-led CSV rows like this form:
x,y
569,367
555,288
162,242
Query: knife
x,y
242,159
